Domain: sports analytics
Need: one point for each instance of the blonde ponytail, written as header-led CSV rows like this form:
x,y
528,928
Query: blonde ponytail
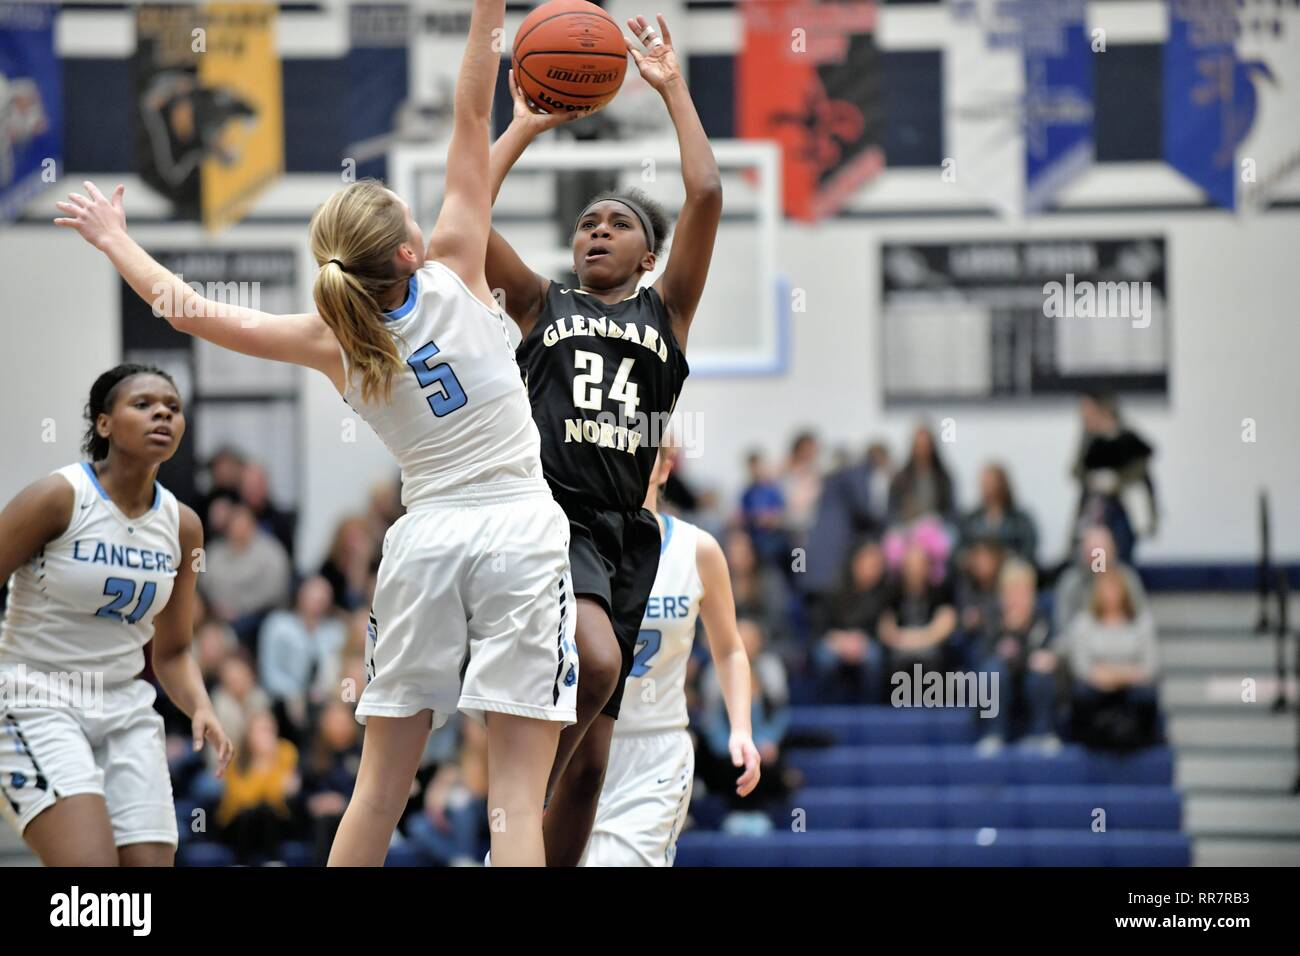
x,y
354,237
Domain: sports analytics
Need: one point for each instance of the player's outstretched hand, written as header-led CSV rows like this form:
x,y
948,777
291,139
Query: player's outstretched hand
x,y
658,64
205,726
532,121
745,755
96,218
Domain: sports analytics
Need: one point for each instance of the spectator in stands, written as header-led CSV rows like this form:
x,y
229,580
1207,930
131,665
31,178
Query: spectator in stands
x,y
1097,553
1112,658
254,814
255,491
1017,650
213,643
1112,460
448,829
329,775
237,697
292,648
347,568
762,510
845,516
760,591
882,477
225,469
977,593
770,718
919,618
998,519
922,486
801,485
247,574
847,657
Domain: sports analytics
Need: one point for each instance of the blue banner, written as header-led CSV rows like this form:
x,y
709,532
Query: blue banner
x,y
31,105
1203,96
1058,97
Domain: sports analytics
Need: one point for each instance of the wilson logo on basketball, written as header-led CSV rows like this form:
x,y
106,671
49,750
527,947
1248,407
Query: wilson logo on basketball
x,y
568,76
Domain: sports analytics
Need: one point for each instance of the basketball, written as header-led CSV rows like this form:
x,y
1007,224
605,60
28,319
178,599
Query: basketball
x,y
569,56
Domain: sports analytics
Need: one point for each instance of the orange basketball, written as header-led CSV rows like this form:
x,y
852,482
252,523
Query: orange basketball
x,y
569,56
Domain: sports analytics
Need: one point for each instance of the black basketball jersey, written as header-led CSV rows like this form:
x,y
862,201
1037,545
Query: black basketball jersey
x,y
603,380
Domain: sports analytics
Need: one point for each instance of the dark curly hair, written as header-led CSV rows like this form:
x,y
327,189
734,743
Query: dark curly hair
x,y
102,395
654,211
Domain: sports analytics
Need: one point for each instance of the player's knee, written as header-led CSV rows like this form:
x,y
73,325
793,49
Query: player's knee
x,y
598,672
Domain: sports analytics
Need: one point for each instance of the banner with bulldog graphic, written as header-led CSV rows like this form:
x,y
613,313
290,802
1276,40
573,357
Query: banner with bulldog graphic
x,y
210,127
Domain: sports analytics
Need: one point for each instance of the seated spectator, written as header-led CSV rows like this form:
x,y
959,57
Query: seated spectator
x,y
292,648
998,519
329,775
882,477
247,574
1016,650
770,718
977,593
1112,657
762,511
347,568
237,698
760,591
919,619
1073,591
847,658
213,643
449,827
225,469
254,814
255,491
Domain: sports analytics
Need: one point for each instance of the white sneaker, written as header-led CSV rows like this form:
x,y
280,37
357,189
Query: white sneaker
x,y
990,745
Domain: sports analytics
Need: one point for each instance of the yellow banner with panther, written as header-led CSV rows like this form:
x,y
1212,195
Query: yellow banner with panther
x,y
240,68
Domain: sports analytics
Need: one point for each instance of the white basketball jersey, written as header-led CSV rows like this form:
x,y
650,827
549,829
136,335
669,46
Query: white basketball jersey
x,y
86,601
654,697
458,414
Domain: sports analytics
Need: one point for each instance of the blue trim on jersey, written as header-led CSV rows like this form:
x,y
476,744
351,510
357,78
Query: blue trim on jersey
x,y
90,471
412,294
95,480
668,534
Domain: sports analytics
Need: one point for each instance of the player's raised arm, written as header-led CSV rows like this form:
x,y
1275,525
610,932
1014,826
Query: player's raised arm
x,y
302,339
718,610
460,236
524,289
682,283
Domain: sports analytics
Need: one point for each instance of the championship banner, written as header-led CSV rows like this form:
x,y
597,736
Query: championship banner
x,y
1269,153
1205,90
241,71
210,133
808,77
31,105
1018,116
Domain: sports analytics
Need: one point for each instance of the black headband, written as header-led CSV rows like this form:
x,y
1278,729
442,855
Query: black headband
x,y
640,214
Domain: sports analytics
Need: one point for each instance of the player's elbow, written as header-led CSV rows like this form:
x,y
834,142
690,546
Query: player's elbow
x,y
707,190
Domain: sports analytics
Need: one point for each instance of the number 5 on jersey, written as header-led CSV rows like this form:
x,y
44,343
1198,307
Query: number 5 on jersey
x,y
452,395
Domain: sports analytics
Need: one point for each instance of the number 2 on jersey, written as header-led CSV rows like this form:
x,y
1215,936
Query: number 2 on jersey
x,y
452,395
647,646
586,390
